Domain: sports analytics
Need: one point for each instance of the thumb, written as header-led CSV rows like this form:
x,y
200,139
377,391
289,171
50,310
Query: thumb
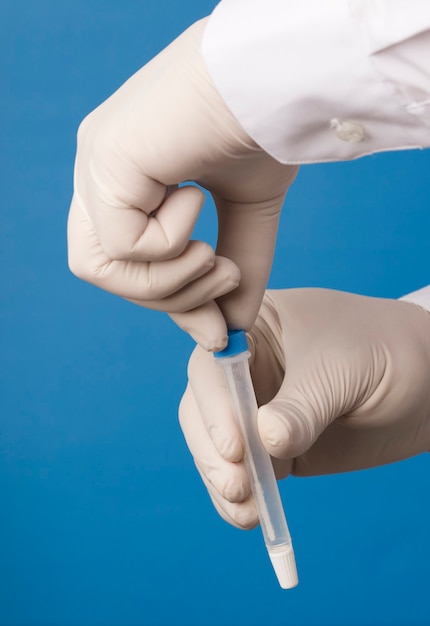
x,y
305,405
249,208
247,236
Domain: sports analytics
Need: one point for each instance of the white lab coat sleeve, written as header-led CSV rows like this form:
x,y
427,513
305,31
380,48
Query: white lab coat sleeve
x,y
324,80
421,297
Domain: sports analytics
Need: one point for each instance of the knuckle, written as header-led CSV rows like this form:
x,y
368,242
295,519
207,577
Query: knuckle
x,y
273,437
84,127
114,250
228,277
228,446
76,266
153,291
244,515
278,438
82,268
172,249
194,367
164,251
234,490
97,136
204,252
183,407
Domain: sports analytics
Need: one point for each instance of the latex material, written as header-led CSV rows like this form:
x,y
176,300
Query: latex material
x,y
342,382
130,225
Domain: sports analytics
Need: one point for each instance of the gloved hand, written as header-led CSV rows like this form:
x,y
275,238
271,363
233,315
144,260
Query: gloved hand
x,y
342,381
130,225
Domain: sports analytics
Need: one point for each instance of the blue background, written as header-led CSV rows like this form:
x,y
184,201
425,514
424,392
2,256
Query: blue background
x,y
103,519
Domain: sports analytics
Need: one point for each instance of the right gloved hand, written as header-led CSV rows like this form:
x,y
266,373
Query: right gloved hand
x,y
342,381
129,225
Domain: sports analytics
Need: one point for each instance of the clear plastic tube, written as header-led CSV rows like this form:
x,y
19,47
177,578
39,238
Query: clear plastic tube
x,y
234,361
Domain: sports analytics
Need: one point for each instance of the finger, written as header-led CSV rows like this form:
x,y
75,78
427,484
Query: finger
x,y
220,279
131,212
309,400
210,392
227,479
148,280
169,228
127,232
242,515
205,324
247,234
248,210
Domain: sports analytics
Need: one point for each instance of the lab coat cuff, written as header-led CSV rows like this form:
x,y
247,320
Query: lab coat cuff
x,y
421,297
300,79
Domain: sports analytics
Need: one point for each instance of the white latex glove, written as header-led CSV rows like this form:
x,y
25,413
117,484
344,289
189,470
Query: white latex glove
x,y
342,381
130,226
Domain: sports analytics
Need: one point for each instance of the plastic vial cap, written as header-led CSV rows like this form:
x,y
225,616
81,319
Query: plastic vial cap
x,y
237,343
284,564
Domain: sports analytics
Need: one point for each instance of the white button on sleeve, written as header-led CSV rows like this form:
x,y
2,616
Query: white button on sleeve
x,y
347,131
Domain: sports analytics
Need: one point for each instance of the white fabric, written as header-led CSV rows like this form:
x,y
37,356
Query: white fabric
x,y
324,80
421,297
